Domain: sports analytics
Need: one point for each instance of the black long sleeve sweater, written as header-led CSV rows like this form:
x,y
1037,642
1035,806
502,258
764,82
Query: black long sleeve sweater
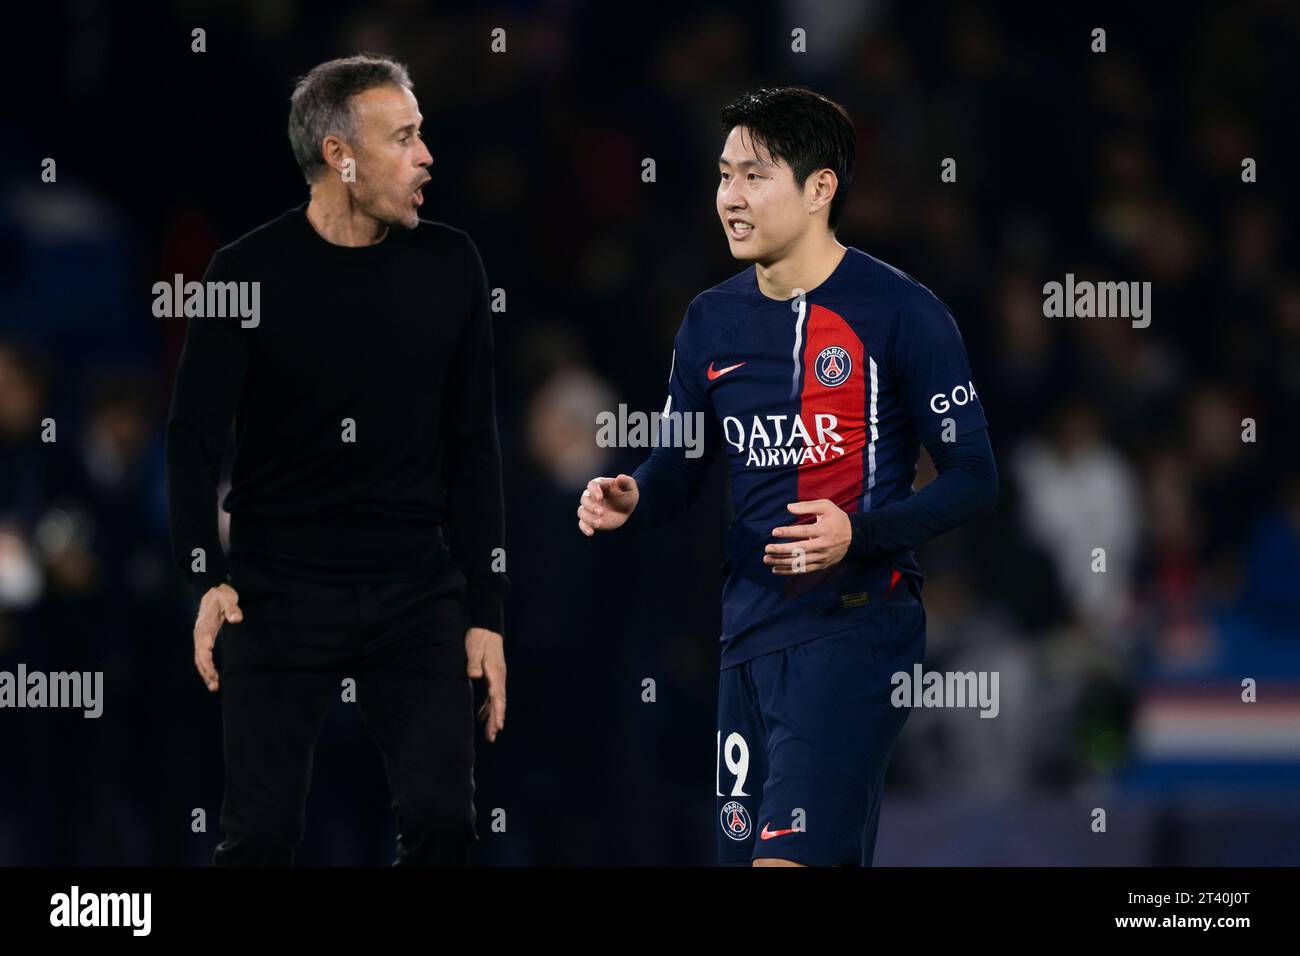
x,y
363,404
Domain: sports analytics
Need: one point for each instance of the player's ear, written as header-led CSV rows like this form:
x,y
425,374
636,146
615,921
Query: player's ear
x,y
822,188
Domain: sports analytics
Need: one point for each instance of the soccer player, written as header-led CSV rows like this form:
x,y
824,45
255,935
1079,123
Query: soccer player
x,y
819,370
362,396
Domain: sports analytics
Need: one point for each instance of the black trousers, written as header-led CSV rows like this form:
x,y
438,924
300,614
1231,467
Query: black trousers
x,y
403,643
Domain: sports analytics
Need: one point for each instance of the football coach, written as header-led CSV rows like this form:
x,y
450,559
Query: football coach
x,y
366,557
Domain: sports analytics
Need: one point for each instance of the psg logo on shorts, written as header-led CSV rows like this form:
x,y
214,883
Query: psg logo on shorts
x,y
735,821
833,366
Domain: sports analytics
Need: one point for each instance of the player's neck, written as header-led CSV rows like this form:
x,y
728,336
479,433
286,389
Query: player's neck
x,y
334,215
803,269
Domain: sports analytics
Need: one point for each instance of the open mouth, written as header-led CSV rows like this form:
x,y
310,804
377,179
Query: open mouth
x,y
739,229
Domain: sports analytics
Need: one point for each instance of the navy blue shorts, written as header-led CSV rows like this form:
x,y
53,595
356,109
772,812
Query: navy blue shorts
x,y
804,737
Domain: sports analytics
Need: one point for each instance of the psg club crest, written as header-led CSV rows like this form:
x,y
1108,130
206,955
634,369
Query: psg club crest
x,y
735,821
833,366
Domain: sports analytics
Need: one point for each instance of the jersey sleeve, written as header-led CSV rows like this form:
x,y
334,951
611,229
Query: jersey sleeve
x,y
966,488
929,362
670,479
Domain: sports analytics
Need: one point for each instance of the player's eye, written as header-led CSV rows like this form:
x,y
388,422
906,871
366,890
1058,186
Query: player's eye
x,y
753,176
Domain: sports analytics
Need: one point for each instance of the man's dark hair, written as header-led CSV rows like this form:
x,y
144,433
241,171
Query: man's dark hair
x,y
803,129
322,104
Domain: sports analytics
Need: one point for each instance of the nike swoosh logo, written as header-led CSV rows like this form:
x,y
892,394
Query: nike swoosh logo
x,y
722,371
769,834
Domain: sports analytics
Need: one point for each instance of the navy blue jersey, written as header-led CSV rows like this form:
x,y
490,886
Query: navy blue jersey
x,y
828,395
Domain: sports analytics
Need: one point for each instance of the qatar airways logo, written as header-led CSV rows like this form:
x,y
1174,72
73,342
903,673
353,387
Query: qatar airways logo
x,y
772,440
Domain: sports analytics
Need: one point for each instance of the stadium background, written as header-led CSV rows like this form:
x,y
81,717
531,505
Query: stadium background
x,y
1119,690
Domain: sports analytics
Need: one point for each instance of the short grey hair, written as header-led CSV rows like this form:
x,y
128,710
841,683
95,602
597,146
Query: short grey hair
x,y
321,104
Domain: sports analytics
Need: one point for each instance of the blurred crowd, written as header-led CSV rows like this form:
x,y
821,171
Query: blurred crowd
x,y
1171,447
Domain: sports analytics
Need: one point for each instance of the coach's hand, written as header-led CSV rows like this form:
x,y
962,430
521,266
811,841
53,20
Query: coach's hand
x,y
218,605
487,657
813,546
607,503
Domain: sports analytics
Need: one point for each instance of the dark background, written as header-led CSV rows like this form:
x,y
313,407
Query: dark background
x,y
1119,690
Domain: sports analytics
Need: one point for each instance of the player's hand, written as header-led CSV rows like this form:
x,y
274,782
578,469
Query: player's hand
x,y
216,607
813,546
606,504
486,657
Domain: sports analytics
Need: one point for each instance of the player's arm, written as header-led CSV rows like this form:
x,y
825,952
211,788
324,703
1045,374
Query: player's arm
x,y
209,379
965,488
669,480
475,500
926,354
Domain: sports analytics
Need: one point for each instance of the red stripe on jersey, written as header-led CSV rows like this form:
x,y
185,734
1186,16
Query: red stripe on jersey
x,y
837,477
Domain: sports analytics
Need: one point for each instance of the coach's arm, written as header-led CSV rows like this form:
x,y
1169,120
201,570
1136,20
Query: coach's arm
x,y
475,500
209,380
